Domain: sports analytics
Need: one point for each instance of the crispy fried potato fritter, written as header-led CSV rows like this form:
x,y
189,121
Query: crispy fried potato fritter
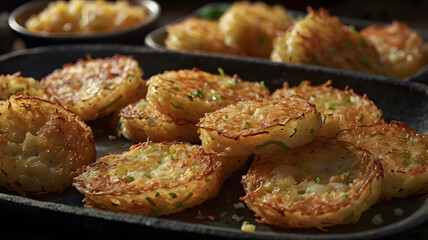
x,y
197,35
140,120
251,27
401,49
320,39
341,109
17,85
321,184
266,126
95,88
402,151
151,179
190,93
41,145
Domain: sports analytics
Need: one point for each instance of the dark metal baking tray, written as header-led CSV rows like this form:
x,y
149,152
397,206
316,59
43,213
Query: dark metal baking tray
x,y
156,38
399,100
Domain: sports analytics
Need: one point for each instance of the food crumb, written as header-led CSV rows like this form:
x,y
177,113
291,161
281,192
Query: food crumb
x,y
398,212
248,227
111,137
237,218
377,219
238,205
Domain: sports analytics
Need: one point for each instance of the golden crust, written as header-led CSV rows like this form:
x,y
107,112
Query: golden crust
x,y
189,94
140,120
17,85
197,35
321,184
251,27
151,179
265,126
95,88
320,39
342,109
400,48
402,151
41,145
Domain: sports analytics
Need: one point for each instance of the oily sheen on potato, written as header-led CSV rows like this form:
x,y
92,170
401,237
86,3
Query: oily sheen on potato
x,y
41,145
151,179
340,108
266,126
95,88
18,85
139,121
402,151
190,93
321,184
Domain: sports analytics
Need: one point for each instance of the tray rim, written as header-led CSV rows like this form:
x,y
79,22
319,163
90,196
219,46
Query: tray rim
x,y
415,219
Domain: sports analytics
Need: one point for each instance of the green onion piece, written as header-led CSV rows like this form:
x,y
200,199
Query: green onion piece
x,y
147,176
345,198
318,180
173,157
180,204
150,201
262,83
155,213
349,217
111,104
381,134
151,121
218,96
312,131
407,162
176,106
160,162
277,143
406,155
175,88
131,178
301,192
213,14
197,93
364,63
107,88
361,116
173,195
220,70
347,174
17,90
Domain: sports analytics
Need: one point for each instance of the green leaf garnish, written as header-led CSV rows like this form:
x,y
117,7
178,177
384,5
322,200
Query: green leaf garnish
x,y
150,201
220,70
274,142
197,93
111,104
176,106
349,217
301,192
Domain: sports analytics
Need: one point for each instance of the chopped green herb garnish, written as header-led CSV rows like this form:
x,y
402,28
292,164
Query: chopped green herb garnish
x,y
407,162
207,179
175,88
107,88
361,116
151,121
160,162
345,198
349,217
318,180
263,83
348,174
130,178
312,131
155,213
346,43
111,104
173,158
301,192
173,195
348,100
381,134
150,201
148,139
213,14
180,204
218,96
412,142
197,93
364,63
176,106
17,90
406,156
147,176
274,142
220,70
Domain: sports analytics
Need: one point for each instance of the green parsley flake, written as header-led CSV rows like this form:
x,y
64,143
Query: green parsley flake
x,y
349,217
176,106
220,70
150,201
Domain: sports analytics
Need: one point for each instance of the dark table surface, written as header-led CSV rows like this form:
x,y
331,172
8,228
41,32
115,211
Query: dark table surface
x,y
414,12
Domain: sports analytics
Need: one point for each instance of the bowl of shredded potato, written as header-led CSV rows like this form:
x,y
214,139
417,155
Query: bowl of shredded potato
x,y
82,21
